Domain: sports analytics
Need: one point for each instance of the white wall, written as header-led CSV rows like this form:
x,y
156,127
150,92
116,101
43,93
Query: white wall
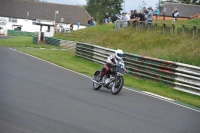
x,y
29,27
74,28
26,25
50,34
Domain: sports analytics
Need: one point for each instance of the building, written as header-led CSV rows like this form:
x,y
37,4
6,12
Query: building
x,y
22,15
186,11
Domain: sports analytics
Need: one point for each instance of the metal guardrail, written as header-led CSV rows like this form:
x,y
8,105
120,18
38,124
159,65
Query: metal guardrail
x,y
179,76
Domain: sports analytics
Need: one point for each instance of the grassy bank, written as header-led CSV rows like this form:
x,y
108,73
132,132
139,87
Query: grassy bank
x,y
156,45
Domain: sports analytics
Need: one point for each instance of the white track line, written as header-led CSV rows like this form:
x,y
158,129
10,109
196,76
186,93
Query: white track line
x,y
142,92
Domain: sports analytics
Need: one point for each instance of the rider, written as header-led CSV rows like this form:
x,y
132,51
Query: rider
x,y
113,59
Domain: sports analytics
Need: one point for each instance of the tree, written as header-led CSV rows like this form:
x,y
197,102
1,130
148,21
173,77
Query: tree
x,y
140,7
98,8
160,4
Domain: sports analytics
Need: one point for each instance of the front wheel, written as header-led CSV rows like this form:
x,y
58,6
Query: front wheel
x,y
97,77
117,86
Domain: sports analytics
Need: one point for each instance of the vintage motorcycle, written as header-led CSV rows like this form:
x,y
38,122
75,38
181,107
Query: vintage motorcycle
x,y
113,80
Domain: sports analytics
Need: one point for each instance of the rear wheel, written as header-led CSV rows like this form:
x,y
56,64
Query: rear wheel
x,y
97,77
117,86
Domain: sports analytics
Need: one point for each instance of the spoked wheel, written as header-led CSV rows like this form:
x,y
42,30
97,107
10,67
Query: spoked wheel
x,y
97,77
117,86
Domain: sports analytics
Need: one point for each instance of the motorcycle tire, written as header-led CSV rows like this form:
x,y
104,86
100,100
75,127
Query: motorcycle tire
x,y
95,85
117,87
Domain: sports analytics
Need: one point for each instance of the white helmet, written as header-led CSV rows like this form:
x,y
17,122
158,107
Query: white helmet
x,y
119,54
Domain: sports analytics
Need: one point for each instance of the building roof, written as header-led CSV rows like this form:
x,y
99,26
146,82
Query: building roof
x,y
43,10
185,10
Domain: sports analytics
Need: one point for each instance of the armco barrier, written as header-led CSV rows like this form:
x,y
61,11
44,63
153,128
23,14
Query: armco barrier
x,y
53,41
179,76
35,39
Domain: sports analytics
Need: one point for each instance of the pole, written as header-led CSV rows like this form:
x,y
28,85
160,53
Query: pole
x,y
55,17
124,5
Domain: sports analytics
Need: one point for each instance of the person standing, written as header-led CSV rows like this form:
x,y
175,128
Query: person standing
x,y
78,24
89,22
176,13
107,18
125,20
71,26
150,15
164,12
157,13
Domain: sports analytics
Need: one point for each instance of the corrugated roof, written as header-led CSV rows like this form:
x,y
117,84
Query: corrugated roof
x,y
43,10
185,10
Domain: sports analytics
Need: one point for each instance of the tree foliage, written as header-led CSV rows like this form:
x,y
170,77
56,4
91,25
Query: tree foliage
x,y
98,8
140,7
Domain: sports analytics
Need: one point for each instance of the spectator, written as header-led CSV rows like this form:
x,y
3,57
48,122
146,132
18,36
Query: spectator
x,y
150,15
144,10
133,17
89,22
92,22
141,17
125,20
127,15
57,28
176,13
164,12
107,18
78,24
157,13
71,26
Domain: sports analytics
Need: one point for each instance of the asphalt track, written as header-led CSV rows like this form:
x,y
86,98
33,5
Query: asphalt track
x,y
38,97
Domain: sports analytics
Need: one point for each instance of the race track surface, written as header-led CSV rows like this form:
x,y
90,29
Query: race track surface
x,y
38,97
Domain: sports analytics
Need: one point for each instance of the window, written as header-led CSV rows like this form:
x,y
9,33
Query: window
x,y
34,22
13,20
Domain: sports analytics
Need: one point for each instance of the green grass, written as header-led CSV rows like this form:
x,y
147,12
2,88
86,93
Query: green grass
x,y
156,45
22,41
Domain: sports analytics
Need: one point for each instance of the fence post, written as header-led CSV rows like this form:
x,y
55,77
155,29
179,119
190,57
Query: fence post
x,y
163,29
173,29
183,29
194,31
148,25
135,25
155,27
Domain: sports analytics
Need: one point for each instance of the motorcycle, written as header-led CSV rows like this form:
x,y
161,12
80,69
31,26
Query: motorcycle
x,y
113,80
